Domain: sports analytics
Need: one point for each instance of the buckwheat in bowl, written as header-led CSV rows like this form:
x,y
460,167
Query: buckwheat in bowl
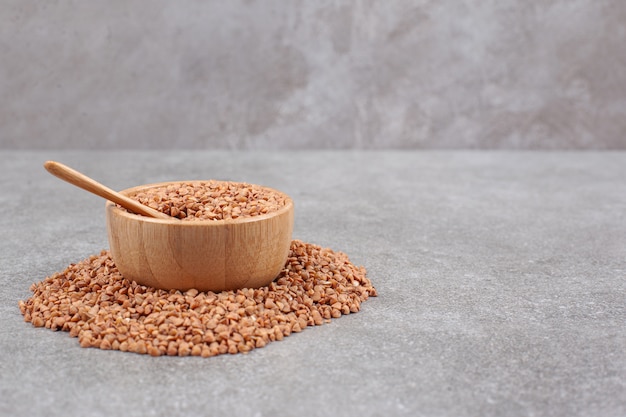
x,y
222,236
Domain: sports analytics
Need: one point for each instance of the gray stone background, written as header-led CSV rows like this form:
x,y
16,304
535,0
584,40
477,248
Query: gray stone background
x,y
245,74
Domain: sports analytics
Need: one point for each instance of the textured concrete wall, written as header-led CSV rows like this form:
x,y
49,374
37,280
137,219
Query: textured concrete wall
x,y
295,74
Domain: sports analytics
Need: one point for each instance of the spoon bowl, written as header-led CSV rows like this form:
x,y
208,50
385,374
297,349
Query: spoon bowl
x,y
160,251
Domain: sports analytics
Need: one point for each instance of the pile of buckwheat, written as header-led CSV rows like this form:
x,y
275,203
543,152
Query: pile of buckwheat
x,y
211,200
94,302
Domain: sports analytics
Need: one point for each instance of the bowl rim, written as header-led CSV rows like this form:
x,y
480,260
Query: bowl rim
x,y
109,205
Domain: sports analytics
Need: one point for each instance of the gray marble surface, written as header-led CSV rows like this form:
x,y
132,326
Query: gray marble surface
x,y
271,74
502,281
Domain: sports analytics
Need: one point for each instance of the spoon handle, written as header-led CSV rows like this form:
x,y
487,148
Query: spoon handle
x,y
82,181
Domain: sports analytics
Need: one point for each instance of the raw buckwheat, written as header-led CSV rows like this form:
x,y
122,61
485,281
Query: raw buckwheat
x,y
211,200
92,301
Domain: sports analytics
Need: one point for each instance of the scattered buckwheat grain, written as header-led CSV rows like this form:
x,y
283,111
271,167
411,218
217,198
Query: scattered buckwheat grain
x,y
92,301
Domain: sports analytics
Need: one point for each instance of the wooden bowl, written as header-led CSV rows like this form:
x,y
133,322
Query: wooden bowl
x,y
208,255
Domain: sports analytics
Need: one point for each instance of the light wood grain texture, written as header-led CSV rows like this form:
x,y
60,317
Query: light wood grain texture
x,y
207,255
88,184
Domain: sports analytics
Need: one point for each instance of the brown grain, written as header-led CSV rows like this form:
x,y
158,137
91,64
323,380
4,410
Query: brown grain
x,y
212,200
92,301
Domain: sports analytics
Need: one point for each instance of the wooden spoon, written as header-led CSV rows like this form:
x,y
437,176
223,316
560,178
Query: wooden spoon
x,y
82,181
